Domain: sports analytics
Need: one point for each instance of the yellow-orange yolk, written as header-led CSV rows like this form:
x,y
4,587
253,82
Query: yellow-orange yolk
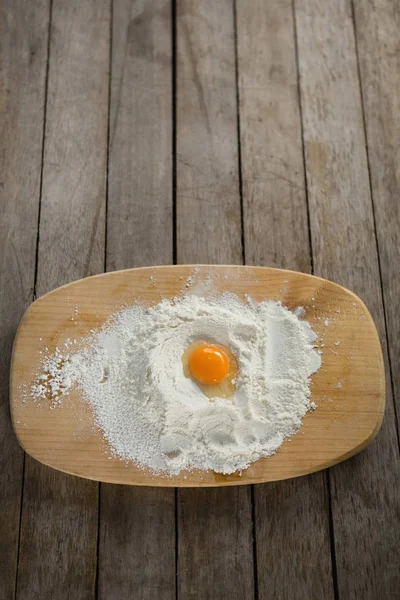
x,y
208,364
212,367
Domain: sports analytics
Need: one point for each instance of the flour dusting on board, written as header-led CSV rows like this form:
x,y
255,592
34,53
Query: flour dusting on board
x,y
130,372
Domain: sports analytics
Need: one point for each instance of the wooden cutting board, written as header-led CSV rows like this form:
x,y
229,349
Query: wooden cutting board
x,y
349,389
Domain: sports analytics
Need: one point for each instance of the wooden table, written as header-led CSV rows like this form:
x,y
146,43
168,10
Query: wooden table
x,y
149,132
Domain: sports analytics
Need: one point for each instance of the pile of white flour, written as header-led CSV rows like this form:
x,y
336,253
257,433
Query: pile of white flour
x,y
132,376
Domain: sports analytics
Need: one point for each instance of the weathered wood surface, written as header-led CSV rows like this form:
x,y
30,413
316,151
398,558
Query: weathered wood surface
x,y
291,517
139,224
214,526
365,489
377,25
58,548
23,50
137,525
207,174
282,544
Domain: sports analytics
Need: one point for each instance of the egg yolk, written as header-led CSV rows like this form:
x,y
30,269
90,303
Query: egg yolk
x,y
208,364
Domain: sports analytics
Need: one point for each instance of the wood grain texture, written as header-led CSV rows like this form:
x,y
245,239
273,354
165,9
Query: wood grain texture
x,y
59,516
137,526
292,539
137,534
208,207
276,234
272,158
209,230
23,50
377,29
365,490
215,537
329,434
140,166
137,543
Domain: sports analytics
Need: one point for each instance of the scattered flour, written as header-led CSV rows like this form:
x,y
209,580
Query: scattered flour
x,y
131,374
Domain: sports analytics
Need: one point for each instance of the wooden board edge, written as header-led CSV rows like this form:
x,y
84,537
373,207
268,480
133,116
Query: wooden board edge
x,y
172,483
191,267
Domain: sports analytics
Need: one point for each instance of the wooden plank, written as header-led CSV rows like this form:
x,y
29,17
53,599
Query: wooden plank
x,y
215,553
272,158
276,234
208,206
140,209
365,489
137,543
137,525
377,28
59,516
215,543
23,48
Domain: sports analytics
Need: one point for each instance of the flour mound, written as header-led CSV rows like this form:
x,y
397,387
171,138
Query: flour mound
x,y
132,376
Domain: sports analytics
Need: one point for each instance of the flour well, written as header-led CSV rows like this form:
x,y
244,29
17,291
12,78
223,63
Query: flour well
x,y
131,374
